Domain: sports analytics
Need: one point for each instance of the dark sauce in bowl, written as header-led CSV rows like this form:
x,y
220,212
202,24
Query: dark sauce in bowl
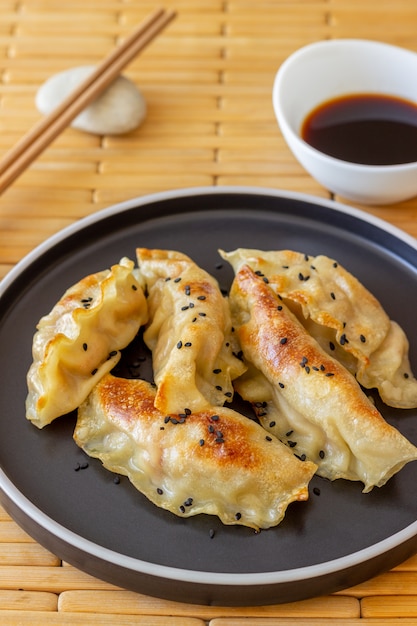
x,y
370,129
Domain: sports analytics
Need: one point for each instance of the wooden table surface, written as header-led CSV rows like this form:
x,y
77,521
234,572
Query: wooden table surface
x,y
207,81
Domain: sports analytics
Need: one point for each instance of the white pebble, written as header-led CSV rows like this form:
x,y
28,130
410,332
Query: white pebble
x,y
118,109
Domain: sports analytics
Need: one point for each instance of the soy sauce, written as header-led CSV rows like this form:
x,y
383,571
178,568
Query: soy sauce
x,y
370,129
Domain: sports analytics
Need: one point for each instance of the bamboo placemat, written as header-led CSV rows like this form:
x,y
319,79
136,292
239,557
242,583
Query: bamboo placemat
x,y
207,81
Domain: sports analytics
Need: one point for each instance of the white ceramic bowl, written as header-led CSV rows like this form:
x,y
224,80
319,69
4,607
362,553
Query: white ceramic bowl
x,y
328,69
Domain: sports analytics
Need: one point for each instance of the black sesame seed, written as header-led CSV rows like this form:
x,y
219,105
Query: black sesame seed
x,y
188,502
259,273
94,371
166,419
219,440
228,394
185,308
281,385
116,480
211,428
322,454
217,370
201,297
329,374
188,344
85,347
307,369
279,307
289,433
301,276
333,297
179,345
292,444
219,388
215,418
303,457
335,264
201,442
343,340
283,340
77,467
238,516
212,532
191,305
266,281
332,346
268,438
177,280
316,491
84,465
201,314
194,319
362,338
187,411
159,490
134,288
406,375
112,354
187,290
272,424
182,508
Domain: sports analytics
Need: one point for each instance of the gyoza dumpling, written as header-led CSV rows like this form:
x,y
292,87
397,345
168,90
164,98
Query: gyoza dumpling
x,y
189,333
306,397
344,317
215,461
79,340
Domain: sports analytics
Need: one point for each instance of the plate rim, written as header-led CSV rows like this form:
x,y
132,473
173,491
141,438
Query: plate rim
x,y
178,574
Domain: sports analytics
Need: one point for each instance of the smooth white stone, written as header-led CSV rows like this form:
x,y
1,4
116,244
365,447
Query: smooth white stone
x,y
117,110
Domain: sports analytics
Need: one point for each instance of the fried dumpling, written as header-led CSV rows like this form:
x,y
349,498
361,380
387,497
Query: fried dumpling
x,y
306,397
344,317
189,333
214,461
79,340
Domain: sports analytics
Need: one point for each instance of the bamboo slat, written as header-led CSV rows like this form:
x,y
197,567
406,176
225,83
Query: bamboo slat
x,y
41,618
104,602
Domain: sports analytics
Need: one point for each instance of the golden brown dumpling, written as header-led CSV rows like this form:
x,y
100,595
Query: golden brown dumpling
x,y
306,397
214,461
346,319
79,340
189,333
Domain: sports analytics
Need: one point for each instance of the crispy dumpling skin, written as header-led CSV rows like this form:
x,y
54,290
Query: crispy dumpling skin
x,y
344,317
215,461
79,340
189,333
306,397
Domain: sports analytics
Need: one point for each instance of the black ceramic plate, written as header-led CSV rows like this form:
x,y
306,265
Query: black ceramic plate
x,y
337,539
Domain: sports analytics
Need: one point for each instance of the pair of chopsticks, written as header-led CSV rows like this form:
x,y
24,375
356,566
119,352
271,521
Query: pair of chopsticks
x,y
48,128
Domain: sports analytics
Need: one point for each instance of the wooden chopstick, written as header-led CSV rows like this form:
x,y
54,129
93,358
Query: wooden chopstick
x,y
16,160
